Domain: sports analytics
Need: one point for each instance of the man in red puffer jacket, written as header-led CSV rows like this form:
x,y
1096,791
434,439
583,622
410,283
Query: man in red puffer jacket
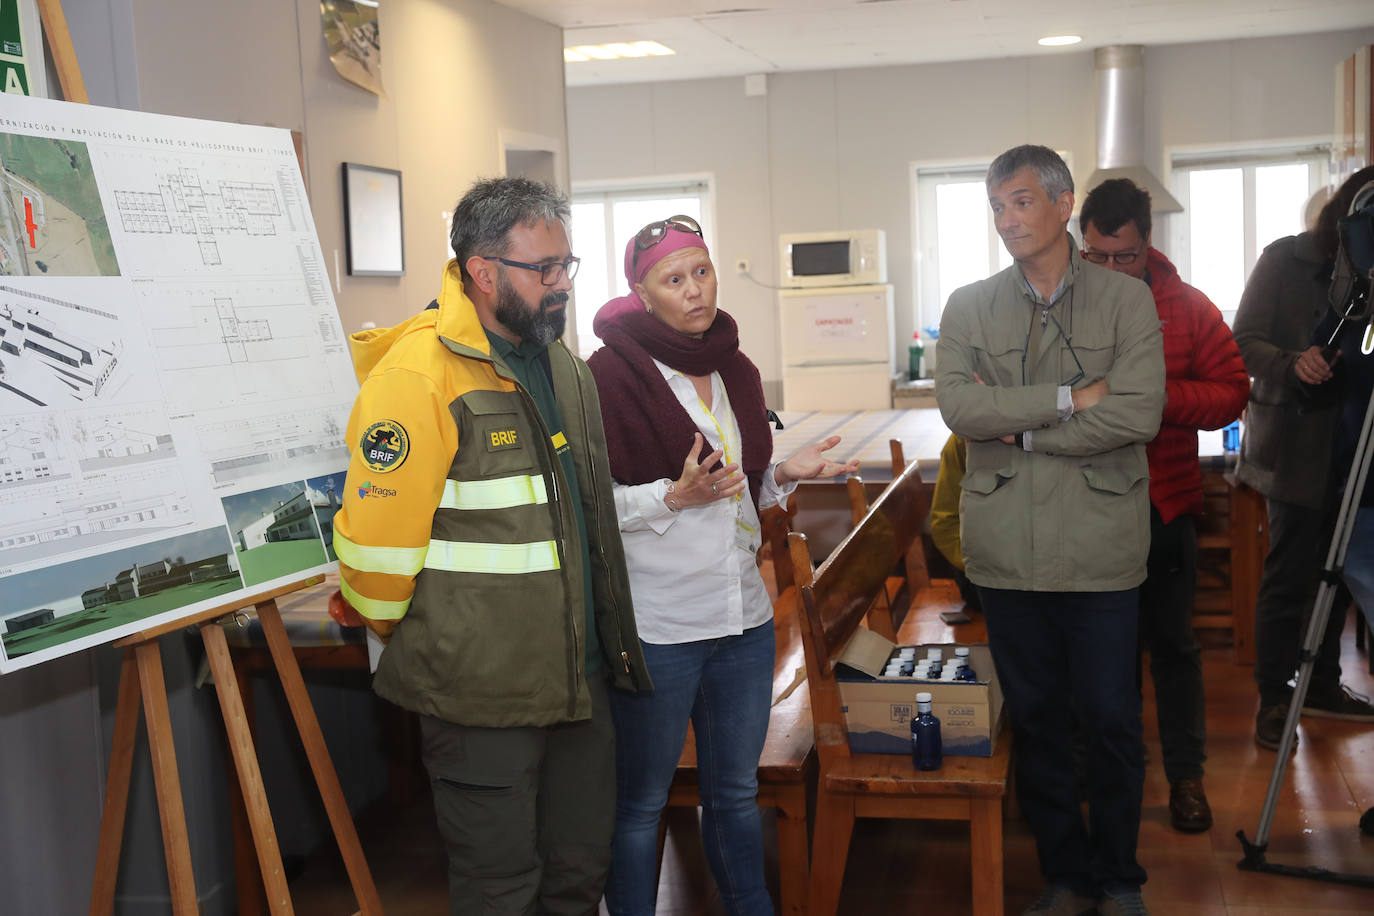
x,y
1207,386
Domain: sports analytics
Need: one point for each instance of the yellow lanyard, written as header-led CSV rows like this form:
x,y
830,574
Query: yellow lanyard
x,y
729,446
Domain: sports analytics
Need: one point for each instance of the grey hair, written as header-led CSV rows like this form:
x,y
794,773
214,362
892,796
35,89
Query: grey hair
x,y
492,207
1047,165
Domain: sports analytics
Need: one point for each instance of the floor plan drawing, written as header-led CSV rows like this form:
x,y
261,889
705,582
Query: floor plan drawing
x,y
186,204
237,344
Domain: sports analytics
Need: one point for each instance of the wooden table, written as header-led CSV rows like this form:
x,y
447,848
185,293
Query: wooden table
x,y
1238,525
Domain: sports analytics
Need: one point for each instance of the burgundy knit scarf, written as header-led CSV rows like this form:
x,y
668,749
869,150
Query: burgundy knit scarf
x,y
648,432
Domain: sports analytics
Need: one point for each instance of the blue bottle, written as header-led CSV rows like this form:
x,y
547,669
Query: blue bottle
x,y
1230,438
965,671
926,753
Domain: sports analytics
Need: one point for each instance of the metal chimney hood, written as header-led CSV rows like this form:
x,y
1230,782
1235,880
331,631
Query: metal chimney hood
x,y
1121,124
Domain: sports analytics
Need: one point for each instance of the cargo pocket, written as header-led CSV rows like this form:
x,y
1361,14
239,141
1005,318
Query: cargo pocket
x,y
989,524
1112,527
499,433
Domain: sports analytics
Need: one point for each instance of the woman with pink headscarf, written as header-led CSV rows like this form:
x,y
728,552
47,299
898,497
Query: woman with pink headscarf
x,y
691,453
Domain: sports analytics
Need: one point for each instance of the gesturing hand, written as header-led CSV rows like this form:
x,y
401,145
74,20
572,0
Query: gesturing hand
x,y
809,464
698,486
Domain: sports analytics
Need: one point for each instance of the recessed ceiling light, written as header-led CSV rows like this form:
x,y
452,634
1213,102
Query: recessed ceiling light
x,y
615,50
1055,41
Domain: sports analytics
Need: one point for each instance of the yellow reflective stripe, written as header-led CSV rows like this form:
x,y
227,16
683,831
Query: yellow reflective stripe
x,y
501,493
503,559
397,561
373,608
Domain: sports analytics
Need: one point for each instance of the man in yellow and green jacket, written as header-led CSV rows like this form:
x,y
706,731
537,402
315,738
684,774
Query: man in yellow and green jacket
x,y
478,537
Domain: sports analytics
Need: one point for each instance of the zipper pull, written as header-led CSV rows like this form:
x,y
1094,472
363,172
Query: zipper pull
x,y
625,660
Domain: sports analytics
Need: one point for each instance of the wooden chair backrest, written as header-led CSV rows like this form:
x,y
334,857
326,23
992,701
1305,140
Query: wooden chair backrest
x,y
858,499
846,584
776,522
898,457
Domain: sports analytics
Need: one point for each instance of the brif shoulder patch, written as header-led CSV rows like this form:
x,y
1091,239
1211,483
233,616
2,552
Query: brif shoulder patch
x,y
385,446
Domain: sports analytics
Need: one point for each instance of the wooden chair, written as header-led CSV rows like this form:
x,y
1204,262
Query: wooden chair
x,y
880,617
880,785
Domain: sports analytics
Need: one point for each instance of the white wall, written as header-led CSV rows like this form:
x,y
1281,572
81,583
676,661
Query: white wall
x,y
456,73
833,149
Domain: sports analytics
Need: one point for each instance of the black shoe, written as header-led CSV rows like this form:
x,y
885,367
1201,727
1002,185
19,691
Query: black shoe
x,y
1339,702
1188,808
1269,726
1058,900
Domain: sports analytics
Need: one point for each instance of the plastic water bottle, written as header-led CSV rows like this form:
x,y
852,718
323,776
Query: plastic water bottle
x,y
965,670
1230,438
914,354
926,751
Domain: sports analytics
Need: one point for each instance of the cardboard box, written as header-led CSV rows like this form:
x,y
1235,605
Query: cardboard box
x,y
878,710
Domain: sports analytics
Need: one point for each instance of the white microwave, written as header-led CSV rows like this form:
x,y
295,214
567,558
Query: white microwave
x,y
846,258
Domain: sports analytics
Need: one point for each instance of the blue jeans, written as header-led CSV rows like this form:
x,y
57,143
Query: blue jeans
x,y
1061,656
724,686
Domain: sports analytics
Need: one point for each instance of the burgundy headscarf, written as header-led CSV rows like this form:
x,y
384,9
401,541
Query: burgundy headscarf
x,y
648,432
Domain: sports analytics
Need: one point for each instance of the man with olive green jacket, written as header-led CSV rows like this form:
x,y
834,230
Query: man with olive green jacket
x,y
1053,370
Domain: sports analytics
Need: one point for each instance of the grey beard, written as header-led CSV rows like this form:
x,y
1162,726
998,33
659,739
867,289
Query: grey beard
x,y
539,325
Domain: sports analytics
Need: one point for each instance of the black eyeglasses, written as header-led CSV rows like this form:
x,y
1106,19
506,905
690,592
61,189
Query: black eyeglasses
x,y
549,274
653,233
1079,375
1120,257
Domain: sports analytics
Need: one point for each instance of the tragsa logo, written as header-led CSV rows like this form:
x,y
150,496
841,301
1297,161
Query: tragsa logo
x,y
367,489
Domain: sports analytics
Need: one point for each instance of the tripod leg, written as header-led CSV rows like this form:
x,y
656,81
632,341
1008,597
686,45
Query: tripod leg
x,y
1316,626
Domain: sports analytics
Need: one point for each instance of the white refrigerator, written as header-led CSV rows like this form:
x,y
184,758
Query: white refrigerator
x,y
837,348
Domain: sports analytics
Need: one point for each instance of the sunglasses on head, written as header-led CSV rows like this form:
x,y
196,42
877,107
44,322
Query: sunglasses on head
x,y
653,233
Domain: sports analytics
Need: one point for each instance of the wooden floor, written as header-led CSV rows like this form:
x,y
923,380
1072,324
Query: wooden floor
x,y
914,866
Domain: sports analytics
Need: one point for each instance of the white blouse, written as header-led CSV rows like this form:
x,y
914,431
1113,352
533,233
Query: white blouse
x,y
692,573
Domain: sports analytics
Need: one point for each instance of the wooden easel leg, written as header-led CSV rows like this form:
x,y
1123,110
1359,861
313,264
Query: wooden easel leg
x,y
247,875
246,764
345,834
181,880
116,788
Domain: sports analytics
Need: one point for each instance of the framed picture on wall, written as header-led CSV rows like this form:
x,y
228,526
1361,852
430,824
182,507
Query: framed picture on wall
x,y
372,221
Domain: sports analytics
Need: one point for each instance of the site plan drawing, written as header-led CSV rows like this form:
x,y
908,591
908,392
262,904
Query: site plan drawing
x,y
174,380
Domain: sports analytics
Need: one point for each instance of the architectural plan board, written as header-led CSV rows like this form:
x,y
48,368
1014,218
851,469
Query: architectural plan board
x,y
174,380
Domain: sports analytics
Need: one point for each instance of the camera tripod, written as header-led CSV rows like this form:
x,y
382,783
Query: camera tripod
x,y
1316,626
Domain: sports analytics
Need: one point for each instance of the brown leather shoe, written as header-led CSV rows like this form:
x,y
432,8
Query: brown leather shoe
x,y
1188,808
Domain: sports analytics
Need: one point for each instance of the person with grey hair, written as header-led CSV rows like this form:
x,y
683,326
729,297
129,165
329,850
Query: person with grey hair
x,y
1053,371
479,538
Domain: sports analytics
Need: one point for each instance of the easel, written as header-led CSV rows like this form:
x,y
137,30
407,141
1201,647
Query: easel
x,y
141,675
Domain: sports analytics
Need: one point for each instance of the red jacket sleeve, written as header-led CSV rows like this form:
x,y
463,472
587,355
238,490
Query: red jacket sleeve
x,y
1214,390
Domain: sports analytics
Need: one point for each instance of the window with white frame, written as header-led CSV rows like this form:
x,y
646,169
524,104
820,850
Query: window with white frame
x,y
1234,205
604,219
955,240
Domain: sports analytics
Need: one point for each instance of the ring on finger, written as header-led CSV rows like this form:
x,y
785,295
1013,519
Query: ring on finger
x,y
714,490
